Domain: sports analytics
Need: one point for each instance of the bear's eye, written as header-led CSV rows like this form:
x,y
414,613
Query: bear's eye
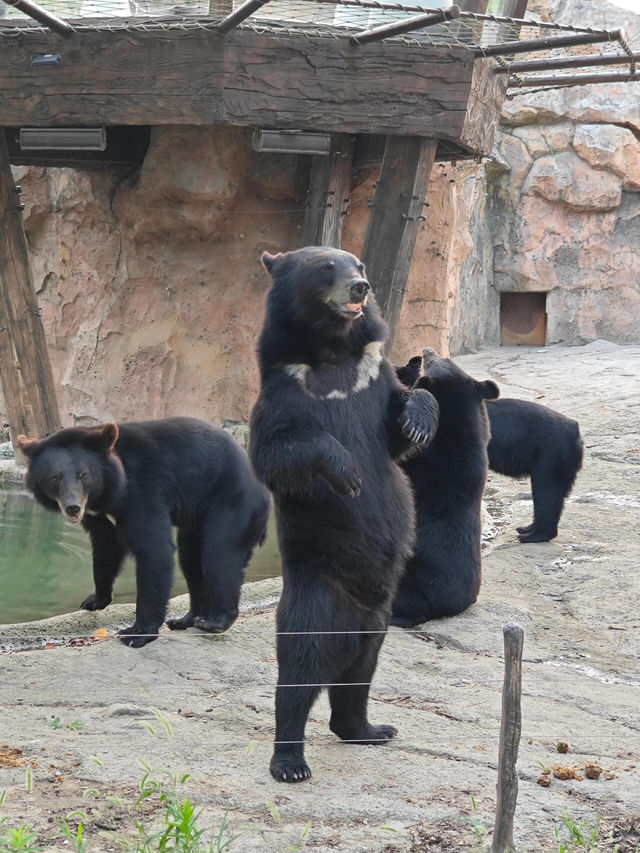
x,y
83,475
54,479
328,265
361,269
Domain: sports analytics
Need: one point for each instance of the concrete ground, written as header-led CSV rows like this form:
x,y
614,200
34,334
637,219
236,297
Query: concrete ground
x,y
79,716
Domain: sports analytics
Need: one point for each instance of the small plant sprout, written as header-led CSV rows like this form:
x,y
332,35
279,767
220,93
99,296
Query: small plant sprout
x,y
19,839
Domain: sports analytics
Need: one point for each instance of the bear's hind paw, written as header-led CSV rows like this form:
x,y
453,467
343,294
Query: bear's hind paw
x,y
181,624
136,638
287,768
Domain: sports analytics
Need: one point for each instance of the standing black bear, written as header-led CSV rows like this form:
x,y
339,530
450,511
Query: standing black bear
x,y
530,440
330,420
448,477
129,485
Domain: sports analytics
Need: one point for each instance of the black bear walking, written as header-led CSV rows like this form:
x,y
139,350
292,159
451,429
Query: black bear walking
x,y
530,440
330,421
128,485
448,477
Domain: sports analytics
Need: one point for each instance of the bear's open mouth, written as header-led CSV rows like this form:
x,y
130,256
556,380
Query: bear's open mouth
x,y
74,519
350,310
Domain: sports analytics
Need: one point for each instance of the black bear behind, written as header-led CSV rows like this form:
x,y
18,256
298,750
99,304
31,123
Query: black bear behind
x,y
448,477
530,440
128,485
329,424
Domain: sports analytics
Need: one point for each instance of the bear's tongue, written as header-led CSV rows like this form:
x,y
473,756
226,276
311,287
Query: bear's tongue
x,y
354,307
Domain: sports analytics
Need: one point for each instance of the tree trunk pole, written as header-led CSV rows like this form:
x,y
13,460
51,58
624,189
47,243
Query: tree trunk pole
x,y
510,729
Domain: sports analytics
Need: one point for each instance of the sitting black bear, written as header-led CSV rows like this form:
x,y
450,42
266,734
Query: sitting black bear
x,y
448,477
330,421
128,485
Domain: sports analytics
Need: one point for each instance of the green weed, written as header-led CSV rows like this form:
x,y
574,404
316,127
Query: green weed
x,y
57,723
574,837
19,839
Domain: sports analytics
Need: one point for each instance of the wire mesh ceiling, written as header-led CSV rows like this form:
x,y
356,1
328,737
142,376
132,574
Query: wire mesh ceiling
x,y
599,51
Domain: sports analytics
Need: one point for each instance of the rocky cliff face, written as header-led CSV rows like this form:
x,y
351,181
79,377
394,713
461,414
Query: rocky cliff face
x,y
150,286
564,196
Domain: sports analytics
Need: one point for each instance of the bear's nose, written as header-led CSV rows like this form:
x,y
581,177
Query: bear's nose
x,y
72,509
359,288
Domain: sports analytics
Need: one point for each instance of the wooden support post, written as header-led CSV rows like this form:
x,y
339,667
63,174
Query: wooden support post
x,y
329,187
510,729
20,309
12,388
396,213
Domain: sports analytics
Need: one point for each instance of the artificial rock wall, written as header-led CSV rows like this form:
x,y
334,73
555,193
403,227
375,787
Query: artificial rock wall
x,y
152,292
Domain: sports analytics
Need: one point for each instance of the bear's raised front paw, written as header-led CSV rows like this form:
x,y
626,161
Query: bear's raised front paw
x,y
136,638
289,768
419,417
181,624
92,602
345,481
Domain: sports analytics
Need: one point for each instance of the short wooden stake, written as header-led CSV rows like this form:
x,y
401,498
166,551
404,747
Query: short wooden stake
x,y
510,729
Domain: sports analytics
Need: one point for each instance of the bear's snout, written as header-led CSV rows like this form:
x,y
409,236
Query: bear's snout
x,y
73,512
358,289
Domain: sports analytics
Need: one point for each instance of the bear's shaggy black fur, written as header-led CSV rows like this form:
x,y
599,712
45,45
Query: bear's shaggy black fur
x,y
330,421
530,440
448,477
128,485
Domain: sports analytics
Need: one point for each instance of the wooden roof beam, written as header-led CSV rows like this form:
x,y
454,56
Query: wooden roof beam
x,y
416,23
48,19
238,15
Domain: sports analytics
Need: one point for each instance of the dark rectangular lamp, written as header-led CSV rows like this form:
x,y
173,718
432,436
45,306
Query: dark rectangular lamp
x,y
63,138
291,142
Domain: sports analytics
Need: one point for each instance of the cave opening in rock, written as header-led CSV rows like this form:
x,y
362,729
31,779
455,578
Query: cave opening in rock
x,y
523,319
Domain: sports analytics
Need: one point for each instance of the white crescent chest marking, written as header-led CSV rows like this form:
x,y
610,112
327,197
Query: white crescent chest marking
x,y
367,371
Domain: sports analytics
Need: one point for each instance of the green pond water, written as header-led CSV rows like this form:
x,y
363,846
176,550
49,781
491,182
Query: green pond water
x,y
45,562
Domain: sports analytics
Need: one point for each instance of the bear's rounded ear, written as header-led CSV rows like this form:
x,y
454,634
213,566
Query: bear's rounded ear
x,y
416,361
268,260
424,382
109,435
27,445
489,390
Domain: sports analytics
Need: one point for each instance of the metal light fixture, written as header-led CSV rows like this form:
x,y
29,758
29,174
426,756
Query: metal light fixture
x,y
63,138
291,142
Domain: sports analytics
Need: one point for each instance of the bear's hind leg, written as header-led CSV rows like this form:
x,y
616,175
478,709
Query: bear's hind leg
x,y
548,502
223,560
293,704
190,558
349,703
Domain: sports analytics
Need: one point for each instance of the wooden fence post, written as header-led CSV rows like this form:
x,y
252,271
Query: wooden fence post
x,y
510,729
